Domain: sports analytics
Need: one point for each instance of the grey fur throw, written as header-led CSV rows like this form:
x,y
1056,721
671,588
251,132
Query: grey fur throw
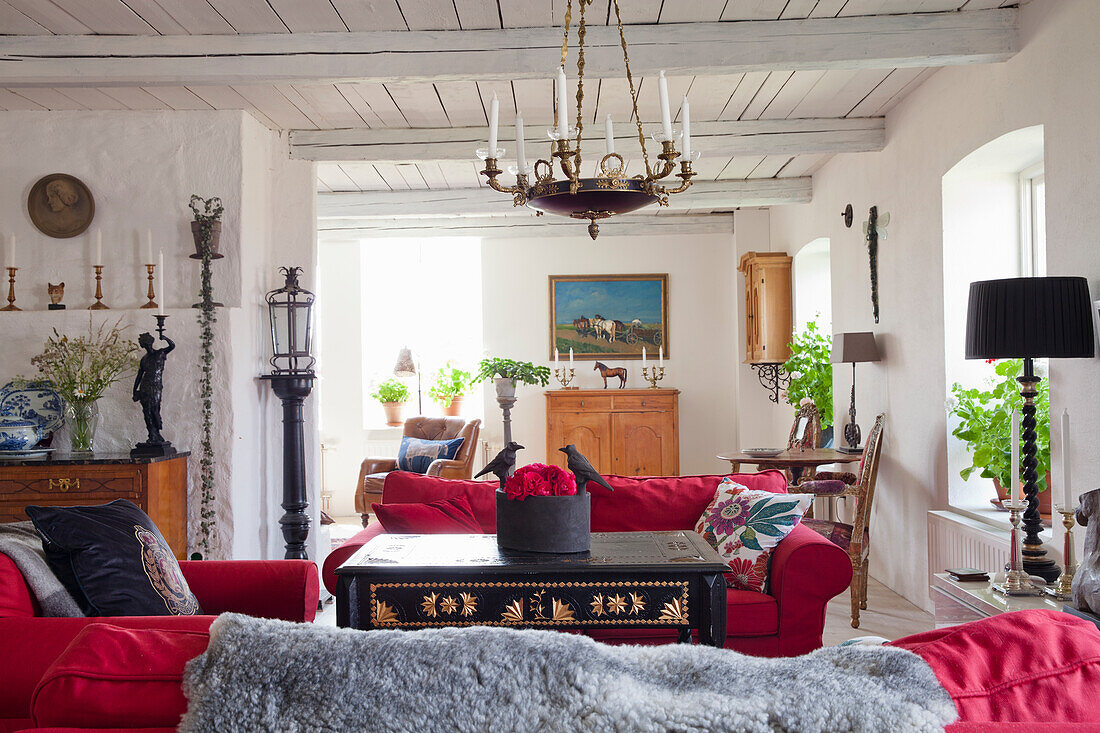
x,y
21,542
260,675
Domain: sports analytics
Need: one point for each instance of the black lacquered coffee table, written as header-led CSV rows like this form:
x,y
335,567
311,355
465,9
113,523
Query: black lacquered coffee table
x,y
643,579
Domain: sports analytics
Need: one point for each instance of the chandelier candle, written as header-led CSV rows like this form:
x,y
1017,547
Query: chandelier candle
x,y
563,114
609,135
494,111
686,114
521,147
666,114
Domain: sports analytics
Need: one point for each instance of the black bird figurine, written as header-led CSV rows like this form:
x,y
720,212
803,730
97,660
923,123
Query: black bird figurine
x,y
582,469
502,465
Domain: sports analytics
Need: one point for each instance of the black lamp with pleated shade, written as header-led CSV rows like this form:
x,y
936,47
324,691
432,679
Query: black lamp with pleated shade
x,y
1030,318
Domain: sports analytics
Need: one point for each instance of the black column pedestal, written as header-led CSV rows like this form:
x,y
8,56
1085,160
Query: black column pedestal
x,y
292,389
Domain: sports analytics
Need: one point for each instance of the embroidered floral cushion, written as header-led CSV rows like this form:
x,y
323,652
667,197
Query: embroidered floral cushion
x,y
745,526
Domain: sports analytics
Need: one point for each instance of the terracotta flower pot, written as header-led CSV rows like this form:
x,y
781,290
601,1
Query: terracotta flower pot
x,y
215,239
551,524
455,408
1044,497
395,413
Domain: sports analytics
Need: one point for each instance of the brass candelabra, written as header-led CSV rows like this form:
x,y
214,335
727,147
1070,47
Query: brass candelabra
x,y
98,304
150,269
565,376
11,306
1017,582
653,375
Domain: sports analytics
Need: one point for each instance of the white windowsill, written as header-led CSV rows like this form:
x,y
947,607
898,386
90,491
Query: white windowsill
x,y
988,517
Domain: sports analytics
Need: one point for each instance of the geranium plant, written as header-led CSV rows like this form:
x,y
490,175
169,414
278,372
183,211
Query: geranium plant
x,y
520,372
391,390
450,382
539,479
985,416
811,372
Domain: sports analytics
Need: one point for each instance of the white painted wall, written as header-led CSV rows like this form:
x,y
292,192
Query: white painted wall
x,y
142,168
1050,82
811,283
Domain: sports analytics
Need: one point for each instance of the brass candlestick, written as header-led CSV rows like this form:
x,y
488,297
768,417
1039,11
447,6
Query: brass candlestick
x,y
98,304
152,303
11,291
565,376
653,375
1017,582
1063,589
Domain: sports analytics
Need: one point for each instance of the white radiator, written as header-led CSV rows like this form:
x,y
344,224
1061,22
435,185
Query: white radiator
x,y
381,448
957,541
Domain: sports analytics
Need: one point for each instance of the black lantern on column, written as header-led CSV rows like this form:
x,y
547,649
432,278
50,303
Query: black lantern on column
x,y
291,312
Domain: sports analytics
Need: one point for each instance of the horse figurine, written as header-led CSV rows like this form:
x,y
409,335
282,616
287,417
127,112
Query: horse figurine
x,y
606,372
1086,581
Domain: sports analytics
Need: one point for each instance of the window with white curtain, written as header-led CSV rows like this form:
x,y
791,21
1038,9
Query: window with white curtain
x,y
424,294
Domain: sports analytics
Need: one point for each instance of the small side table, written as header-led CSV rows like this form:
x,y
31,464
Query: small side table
x,y
958,602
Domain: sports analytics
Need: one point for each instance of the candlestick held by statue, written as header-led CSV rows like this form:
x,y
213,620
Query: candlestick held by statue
x,y
148,391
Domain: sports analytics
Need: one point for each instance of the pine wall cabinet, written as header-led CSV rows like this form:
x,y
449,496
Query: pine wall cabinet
x,y
768,310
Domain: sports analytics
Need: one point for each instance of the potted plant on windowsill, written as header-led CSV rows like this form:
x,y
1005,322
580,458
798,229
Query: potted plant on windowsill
x,y
392,393
450,386
507,373
812,375
985,426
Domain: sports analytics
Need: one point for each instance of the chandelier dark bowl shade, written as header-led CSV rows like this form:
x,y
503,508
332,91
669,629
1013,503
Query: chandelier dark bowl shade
x,y
1030,317
593,197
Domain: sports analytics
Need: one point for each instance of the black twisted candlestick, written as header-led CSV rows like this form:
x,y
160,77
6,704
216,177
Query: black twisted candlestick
x,y
1035,559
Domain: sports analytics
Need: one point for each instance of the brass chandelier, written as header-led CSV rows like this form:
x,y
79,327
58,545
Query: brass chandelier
x,y
610,192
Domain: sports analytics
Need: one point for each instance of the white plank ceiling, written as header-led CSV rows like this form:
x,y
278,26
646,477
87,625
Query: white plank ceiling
x,y
304,106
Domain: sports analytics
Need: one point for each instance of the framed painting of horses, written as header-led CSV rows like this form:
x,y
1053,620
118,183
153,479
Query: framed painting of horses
x,y
605,317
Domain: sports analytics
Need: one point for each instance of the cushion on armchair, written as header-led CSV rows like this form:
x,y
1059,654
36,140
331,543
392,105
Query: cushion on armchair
x,y
113,560
416,454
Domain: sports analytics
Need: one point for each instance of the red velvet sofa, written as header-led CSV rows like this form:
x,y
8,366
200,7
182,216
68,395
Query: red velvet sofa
x,y
806,569
30,645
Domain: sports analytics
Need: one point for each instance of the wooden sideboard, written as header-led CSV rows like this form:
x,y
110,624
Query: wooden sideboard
x,y
628,432
157,485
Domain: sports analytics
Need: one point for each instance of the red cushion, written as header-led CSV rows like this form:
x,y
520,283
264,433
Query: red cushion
x,y
445,516
639,504
111,676
1025,666
402,487
15,597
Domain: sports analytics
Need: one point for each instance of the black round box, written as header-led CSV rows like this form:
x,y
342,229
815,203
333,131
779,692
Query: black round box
x,y
553,524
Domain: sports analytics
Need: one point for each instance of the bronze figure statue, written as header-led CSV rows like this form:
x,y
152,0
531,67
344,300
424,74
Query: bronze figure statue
x,y
148,389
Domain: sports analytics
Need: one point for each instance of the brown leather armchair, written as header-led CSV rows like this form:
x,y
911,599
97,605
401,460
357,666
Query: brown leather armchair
x,y
372,472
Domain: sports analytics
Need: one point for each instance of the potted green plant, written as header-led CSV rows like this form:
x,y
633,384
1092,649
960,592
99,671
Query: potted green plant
x,y
812,374
392,393
507,373
985,426
450,385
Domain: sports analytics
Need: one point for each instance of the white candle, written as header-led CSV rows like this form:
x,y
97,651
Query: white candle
x,y
98,247
609,135
666,115
1014,478
148,246
163,284
563,109
686,110
494,111
555,359
570,357
643,356
11,250
521,146
661,355
1070,505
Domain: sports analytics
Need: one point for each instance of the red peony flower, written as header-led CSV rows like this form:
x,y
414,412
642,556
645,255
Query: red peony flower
x,y
538,479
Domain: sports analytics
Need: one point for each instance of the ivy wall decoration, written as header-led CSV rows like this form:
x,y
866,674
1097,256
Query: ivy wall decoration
x,y
873,230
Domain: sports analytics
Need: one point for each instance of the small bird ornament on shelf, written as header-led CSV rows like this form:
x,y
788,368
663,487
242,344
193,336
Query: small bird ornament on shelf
x,y
501,466
582,469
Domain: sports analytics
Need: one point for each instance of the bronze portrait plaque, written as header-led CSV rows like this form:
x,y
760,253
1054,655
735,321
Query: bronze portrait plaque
x,y
60,205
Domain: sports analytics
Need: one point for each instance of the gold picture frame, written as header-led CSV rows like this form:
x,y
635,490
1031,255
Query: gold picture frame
x,y
604,317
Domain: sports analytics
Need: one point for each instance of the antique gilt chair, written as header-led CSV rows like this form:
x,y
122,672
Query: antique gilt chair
x,y
372,472
854,538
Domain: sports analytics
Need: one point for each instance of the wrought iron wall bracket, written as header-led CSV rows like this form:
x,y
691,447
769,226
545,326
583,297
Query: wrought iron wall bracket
x,y
773,377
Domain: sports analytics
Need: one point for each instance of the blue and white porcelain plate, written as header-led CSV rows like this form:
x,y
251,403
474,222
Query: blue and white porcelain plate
x,y
33,401
8,455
